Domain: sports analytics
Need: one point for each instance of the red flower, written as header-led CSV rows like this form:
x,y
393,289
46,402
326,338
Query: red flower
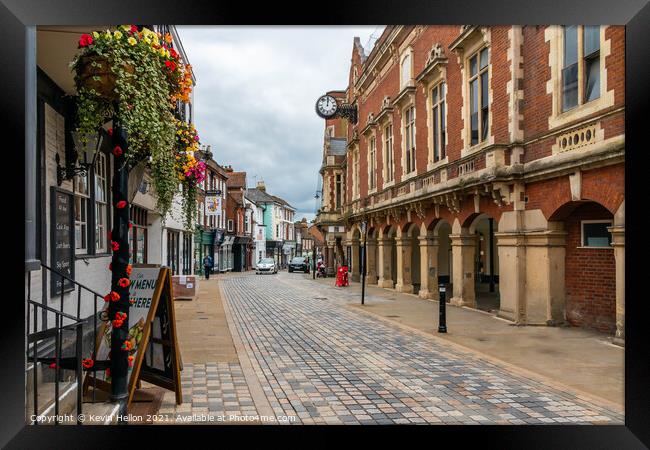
x,y
130,225
121,204
112,296
110,132
132,300
168,64
53,366
173,53
124,282
87,363
127,345
130,360
115,246
85,40
134,29
129,268
117,151
117,323
120,315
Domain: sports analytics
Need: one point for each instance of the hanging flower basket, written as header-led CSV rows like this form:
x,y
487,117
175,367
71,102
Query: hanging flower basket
x,y
94,73
134,76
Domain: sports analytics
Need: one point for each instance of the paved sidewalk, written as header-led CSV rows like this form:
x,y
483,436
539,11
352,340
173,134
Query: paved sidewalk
x,y
582,360
212,379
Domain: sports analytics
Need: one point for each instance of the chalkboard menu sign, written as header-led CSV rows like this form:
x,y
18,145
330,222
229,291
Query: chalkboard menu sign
x,y
62,240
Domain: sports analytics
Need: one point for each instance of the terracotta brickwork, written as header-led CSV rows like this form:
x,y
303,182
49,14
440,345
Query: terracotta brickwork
x,y
535,165
590,275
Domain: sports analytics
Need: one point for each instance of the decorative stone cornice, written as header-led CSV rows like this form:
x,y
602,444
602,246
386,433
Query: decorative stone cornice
x,y
435,66
406,95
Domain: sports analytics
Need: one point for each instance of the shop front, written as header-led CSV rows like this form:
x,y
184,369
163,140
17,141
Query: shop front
x,y
226,254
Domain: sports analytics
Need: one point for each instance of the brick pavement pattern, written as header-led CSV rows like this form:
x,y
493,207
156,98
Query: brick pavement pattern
x,y
324,363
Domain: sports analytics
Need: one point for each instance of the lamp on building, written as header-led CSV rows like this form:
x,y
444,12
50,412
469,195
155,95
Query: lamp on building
x,y
86,146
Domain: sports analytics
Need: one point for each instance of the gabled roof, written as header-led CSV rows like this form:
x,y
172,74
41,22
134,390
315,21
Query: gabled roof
x,y
282,202
258,196
236,179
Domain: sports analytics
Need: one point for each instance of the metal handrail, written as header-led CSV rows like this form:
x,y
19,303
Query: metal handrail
x,y
38,335
70,279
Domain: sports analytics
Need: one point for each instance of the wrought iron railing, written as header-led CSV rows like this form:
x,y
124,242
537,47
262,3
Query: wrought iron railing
x,y
38,333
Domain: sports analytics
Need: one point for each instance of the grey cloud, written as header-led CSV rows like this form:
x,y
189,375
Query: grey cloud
x,y
255,95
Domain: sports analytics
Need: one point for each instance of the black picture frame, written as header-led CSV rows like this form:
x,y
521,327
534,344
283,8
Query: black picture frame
x,y
16,15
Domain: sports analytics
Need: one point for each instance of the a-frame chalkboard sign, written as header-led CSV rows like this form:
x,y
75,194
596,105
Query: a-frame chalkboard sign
x,y
152,332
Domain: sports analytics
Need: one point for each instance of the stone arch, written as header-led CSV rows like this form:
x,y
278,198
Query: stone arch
x,y
589,263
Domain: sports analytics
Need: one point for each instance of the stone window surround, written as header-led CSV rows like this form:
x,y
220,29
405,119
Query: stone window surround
x,y
554,36
471,44
408,104
404,53
610,223
373,137
441,78
384,123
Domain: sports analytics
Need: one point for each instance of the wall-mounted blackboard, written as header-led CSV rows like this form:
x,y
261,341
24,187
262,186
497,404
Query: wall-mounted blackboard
x,y
61,240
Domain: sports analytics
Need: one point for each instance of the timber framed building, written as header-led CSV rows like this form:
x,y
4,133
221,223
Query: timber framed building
x,y
490,158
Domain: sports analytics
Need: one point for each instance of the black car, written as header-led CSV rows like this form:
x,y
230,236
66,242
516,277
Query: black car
x,y
299,264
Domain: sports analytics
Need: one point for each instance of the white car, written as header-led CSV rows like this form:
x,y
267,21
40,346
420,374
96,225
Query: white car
x,y
266,265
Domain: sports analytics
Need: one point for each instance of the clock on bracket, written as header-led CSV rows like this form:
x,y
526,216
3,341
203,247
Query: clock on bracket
x,y
326,106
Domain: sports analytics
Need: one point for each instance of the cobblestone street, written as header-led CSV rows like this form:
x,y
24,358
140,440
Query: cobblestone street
x,y
318,361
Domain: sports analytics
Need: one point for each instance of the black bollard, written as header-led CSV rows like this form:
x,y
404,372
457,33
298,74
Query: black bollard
x,y
442,315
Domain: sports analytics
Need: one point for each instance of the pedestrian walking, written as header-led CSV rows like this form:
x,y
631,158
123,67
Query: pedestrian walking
x,y
208,264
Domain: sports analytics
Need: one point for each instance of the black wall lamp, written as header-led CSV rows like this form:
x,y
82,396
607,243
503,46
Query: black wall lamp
x,y
89,147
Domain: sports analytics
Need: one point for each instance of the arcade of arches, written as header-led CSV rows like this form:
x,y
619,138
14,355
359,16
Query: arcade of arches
x,y
559,266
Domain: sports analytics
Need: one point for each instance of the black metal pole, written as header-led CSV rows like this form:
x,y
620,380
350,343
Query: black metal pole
x,y
491,244
442,313
120,243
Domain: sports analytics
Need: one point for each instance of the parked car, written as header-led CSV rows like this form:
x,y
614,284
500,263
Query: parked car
x,y
300,264
266,265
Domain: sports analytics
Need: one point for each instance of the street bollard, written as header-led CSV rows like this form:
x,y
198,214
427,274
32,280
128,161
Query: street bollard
x,y
442,315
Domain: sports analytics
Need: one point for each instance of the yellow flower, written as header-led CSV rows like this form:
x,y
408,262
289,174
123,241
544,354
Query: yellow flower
x,y
117,34
132,40
95,35
147,40
108,35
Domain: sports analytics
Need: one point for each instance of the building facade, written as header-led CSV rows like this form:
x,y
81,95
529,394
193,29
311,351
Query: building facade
x,y
238,217
210,235
492,159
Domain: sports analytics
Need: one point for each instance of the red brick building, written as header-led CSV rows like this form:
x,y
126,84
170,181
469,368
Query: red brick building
x,y
236,220
490,158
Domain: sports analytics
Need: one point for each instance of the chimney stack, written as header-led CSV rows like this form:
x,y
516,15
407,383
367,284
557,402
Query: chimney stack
x,y
261,186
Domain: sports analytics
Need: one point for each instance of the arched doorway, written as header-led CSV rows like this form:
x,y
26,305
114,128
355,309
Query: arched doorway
x,y
387,257
589,264
486,266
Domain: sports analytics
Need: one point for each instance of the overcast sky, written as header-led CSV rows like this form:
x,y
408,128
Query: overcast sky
x,y
255,95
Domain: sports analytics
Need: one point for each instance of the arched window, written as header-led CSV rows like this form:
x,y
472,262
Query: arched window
x,y
406,69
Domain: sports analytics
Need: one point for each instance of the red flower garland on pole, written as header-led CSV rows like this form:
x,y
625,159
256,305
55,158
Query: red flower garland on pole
x,y
121,204
117,151
127,345
87,363
129,269
115,246
124,282
112,297
130,360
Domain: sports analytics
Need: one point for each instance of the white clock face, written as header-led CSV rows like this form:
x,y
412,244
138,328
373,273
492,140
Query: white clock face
x,y
326,106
